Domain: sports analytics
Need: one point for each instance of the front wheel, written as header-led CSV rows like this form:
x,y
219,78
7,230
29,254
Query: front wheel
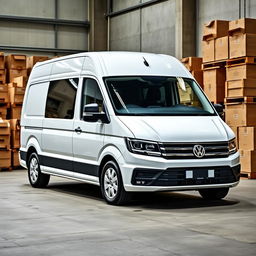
x,y
36,178
111,184
213,193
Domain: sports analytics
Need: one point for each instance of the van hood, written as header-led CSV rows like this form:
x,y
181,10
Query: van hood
x,y
177,129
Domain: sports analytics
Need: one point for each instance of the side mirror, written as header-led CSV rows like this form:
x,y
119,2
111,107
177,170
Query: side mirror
x,y
91,113
219,109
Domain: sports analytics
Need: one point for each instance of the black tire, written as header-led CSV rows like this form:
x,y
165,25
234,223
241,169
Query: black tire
x,y
115,185
213,193
36,178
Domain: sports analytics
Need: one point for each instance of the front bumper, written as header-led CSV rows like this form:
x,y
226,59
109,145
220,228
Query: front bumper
x,y
158,174
186,176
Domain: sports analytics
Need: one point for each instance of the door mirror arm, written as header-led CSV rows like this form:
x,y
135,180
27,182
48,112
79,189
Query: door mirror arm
x,y
91,113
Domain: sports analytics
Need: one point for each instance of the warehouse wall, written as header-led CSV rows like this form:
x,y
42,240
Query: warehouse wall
x,y
43,35
208,10
150,29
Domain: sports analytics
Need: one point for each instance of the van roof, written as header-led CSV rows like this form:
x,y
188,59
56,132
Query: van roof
x,y
112,63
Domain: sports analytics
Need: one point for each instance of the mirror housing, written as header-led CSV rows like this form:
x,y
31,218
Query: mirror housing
x,y
91,113
219,109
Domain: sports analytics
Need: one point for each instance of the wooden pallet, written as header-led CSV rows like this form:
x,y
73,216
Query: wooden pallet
x,y
214,64
16,104
4,104
241,100
241,60
248,175
5,169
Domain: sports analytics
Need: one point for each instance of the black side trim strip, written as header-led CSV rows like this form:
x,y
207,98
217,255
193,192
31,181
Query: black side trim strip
x,y
68,165
56,163
88,169
23,155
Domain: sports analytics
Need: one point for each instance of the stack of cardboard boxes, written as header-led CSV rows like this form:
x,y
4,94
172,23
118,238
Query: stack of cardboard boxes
x,y
241,90
5,152
215,54
2,69
12,90
194,66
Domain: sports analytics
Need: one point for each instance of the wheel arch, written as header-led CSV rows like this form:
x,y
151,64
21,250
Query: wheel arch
x,y
108,154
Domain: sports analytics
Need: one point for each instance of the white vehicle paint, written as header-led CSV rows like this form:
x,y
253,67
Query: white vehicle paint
x,y
150,115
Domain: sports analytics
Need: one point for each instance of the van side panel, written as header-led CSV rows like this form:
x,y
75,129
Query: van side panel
x,y
33,113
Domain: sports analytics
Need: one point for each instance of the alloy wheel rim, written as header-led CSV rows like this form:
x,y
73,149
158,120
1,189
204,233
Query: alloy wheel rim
x,y
33,170
110,183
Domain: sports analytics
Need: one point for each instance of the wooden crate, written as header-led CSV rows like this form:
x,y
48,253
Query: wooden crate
x,y
2,76
15,133
240,113
16,95
240,88
4,96
15,112
15,61
15,158
5,160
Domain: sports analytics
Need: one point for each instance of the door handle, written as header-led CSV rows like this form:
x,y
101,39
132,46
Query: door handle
x,y
78,130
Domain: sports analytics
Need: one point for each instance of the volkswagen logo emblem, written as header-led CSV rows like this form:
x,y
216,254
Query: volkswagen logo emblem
x,y
199,151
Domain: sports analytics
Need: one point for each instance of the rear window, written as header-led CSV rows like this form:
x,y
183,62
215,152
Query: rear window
x,y
61,99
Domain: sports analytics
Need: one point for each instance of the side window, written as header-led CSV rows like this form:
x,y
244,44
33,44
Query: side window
x,y
61,97
91,93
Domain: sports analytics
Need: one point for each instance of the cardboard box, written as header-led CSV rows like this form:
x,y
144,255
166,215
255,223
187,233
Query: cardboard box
x,y
2,65
214,84
192,63
32,60
5,134
16,112
13,73
215,29
240,114
248,160
242,26
241,88
20,81
208,50
222,48
16,95
2,76
5,158
198,75
241,45
14,61
242,71
3,112
5,128
4,96
15,158
15,133
247,138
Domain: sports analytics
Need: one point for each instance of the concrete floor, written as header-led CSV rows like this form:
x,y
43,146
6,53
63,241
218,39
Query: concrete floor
x,y
70,218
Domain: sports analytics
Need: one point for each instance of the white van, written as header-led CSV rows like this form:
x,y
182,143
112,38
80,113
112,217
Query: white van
x,y
127,122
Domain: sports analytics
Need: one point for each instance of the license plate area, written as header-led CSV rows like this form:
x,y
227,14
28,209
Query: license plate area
x,y
200,174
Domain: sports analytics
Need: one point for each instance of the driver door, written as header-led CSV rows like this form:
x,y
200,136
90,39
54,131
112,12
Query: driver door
x,y
88,137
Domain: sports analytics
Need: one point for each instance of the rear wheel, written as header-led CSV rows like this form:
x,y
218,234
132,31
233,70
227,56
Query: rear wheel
x,y
111,184
36,178
214,193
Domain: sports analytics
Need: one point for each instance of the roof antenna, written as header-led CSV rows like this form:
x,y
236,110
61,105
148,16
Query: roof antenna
x,y
145,62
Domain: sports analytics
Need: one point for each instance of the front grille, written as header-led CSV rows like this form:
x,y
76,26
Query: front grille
x,y
177,176
185,150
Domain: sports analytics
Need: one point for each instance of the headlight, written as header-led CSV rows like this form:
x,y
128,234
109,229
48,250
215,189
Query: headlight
x,y
232,146
143,147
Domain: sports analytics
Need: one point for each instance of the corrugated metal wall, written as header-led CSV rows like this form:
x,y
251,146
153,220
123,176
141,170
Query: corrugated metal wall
x,y
35,35
149,29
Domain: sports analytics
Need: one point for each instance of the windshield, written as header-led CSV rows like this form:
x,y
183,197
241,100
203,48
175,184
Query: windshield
x,y
157,95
